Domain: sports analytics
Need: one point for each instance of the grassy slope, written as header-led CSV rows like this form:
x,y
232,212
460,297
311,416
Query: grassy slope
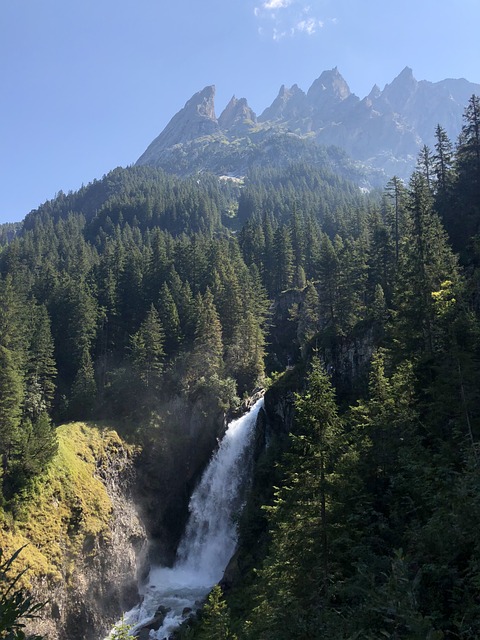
x,y
66,507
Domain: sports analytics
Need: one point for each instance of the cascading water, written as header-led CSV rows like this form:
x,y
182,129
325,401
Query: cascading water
x,y
210,536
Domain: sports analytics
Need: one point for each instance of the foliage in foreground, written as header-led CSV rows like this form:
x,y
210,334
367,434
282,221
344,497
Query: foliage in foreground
x,y
121,631
16,606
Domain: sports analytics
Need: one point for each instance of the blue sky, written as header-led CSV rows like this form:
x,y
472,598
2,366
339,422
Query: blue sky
x,y
88,84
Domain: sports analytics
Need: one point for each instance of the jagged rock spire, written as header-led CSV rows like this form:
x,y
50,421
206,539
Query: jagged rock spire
x,y
196,119
330,87
236,114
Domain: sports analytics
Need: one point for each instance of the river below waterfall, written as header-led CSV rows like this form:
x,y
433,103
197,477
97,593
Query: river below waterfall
x,y
210,536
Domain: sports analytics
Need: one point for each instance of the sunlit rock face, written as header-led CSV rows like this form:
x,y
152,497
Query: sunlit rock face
x,y
237,116
195,120
383,132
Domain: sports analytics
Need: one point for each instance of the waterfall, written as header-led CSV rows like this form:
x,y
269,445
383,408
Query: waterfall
x,y
210,536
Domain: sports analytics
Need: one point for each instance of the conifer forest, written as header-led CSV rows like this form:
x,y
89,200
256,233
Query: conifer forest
x,y
144,299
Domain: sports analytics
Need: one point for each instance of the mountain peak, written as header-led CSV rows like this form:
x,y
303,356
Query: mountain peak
x,y
404,79
329,87
196,119
406,72
203,102
400,90
288,104
385,129
237,114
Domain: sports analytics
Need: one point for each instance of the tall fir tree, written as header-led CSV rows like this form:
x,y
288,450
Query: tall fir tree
x,y
170,319
11,398
84,389
41,370
443,161
147,350
426,261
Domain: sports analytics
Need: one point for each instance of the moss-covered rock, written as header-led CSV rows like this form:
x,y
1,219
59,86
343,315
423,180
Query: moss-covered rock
x,y
82,533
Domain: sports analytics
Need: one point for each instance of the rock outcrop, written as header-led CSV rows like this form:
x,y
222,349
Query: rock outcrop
x,y
237,116
291,105
195,120
85,541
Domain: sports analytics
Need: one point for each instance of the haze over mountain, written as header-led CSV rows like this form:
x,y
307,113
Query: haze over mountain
x,y
384,131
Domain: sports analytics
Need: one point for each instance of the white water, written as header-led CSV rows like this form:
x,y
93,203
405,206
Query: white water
x,y
210,536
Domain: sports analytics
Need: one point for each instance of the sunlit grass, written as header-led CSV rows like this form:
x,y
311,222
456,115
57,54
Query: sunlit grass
x,y
67,506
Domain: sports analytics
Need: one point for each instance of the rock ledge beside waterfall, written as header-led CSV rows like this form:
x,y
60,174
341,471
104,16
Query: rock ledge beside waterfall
x,y
85,539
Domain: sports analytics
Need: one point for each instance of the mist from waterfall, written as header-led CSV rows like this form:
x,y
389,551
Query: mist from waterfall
x,y
210,537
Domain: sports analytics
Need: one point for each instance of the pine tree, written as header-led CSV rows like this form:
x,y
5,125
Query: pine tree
x,y
215,623
246,352
443,161
312,248
184,301
252,243
380,258
293,586
229,302
157,267
298,238
75,314
37,444
107,277
463,222
396,191
207,355
14,318
425,165
84,388
130,291
352,276
256,295
147,350
11,397
426,261
468,149
41,367
269,272
170,319
317,415
328,272
284,259
121,631
308,318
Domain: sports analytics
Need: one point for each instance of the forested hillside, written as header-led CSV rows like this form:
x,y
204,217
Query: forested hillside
x,y
146,298
369,528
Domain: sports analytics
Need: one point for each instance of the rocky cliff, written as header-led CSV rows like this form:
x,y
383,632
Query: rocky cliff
x,y
383,132
83,535
195,120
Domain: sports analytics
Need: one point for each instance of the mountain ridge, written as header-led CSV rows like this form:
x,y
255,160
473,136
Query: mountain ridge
x,y
383,132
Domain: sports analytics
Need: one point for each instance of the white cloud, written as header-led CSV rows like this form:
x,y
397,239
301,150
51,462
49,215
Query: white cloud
x,y
296,18
276,4
309,26
280,35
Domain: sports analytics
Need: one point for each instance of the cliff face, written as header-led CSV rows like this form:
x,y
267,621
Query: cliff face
x,y
383,132
85,540
195,120
102,584
346,356
169,468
